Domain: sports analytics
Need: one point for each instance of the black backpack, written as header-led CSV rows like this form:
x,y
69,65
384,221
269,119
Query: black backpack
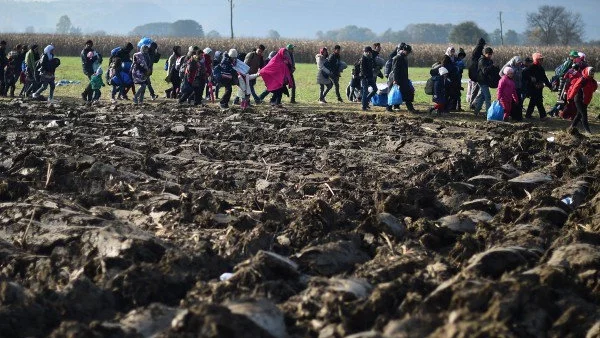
x,y
429,86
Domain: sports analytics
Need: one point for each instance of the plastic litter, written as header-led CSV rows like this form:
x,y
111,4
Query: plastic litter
x,y
225,276
134,132
550,139
567,200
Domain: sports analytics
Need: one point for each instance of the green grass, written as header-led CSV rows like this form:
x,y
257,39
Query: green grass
x,y
307,90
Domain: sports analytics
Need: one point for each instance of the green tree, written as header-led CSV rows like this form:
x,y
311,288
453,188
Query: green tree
x,y
213,34
428,32
186,28
467,33
273,34
64,25
511,38
154,28
554,25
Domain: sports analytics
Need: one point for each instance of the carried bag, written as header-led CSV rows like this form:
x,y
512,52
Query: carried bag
x,y
429,86
380,100
496,112
394,96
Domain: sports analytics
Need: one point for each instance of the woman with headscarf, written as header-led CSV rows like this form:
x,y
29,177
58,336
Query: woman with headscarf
x,y
536,79
276,75
507,92
46,73
139,72
516,64
323,74
581,91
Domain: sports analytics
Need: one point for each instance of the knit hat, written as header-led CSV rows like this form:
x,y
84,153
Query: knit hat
x,y
368,49
207,50
289,46
573,53
443,71
508,70
588,72
232,53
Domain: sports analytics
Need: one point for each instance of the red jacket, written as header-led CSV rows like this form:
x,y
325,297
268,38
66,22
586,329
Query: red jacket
x,y
585,82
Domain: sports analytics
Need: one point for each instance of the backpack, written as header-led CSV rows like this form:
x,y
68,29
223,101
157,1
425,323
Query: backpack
x,y
493,76
429,86
115,51
356,69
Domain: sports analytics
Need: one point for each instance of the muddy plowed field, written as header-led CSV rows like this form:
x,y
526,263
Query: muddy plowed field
x,y
164,221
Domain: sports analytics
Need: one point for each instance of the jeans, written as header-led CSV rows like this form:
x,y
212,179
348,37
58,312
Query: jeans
x,y
139,94
365,93
485,95
253,91
45,85
324,89
336,84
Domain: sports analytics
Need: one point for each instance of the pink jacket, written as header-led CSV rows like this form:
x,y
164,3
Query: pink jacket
x,y
276,73
507,91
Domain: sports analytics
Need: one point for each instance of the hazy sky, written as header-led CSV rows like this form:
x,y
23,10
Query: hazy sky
x,y
298,19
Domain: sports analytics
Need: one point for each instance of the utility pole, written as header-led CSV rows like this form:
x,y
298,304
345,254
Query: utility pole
x,y
231,16
501,32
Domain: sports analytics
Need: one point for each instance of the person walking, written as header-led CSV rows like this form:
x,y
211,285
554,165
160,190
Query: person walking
x,y
484,72
96,84
323,74
473,87
31,59
46,73
535,76
255,60
367,77
335,61
173,73
139,72
581,91
87,64
399,76
3,62
507,93
154,57
194,79
276,75
11,73
292,66
227,76
516,64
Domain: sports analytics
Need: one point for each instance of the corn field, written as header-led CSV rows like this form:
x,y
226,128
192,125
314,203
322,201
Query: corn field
x,y
424,55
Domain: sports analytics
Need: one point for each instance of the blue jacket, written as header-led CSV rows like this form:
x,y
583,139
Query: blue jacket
x,y
440,85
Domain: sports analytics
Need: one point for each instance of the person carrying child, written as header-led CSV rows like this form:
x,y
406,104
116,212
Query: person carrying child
x,y
581,92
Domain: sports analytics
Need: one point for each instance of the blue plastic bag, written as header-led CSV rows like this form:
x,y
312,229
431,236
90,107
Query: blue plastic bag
x,y
394,96
380,100
496,112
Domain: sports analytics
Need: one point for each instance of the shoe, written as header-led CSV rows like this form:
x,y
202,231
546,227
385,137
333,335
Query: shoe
x,y
125,97
113,101
154,97
84,96
135,101
257,101
35,95
389,109
293,102
224,106
322,102
340,100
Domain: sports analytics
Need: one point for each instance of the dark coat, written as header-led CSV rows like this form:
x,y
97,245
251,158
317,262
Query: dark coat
x,y
440,86
334,63
484,70
399,75
87,64
474,60
366,67
535,78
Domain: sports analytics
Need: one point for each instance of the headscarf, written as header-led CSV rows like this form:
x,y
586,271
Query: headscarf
x,y
449,53
581,55
536,58
49,51
514,62
323,50
276,73
587,71
508,70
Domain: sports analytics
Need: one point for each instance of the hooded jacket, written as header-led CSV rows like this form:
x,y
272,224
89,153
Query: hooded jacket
x,y
475,55
276,73
584,84
507,90
323,71
518,71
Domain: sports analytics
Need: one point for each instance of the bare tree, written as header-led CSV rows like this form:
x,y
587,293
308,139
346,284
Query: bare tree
x,y
554,24
571,30
543,25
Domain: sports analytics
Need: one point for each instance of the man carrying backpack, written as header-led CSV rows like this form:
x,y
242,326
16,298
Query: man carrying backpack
x,y
484,73
88,69
256,61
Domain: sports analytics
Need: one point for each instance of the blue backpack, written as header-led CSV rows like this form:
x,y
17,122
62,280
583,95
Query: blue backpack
x,y
115,51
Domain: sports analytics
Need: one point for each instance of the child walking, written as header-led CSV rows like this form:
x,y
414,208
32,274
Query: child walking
x,y
96,84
